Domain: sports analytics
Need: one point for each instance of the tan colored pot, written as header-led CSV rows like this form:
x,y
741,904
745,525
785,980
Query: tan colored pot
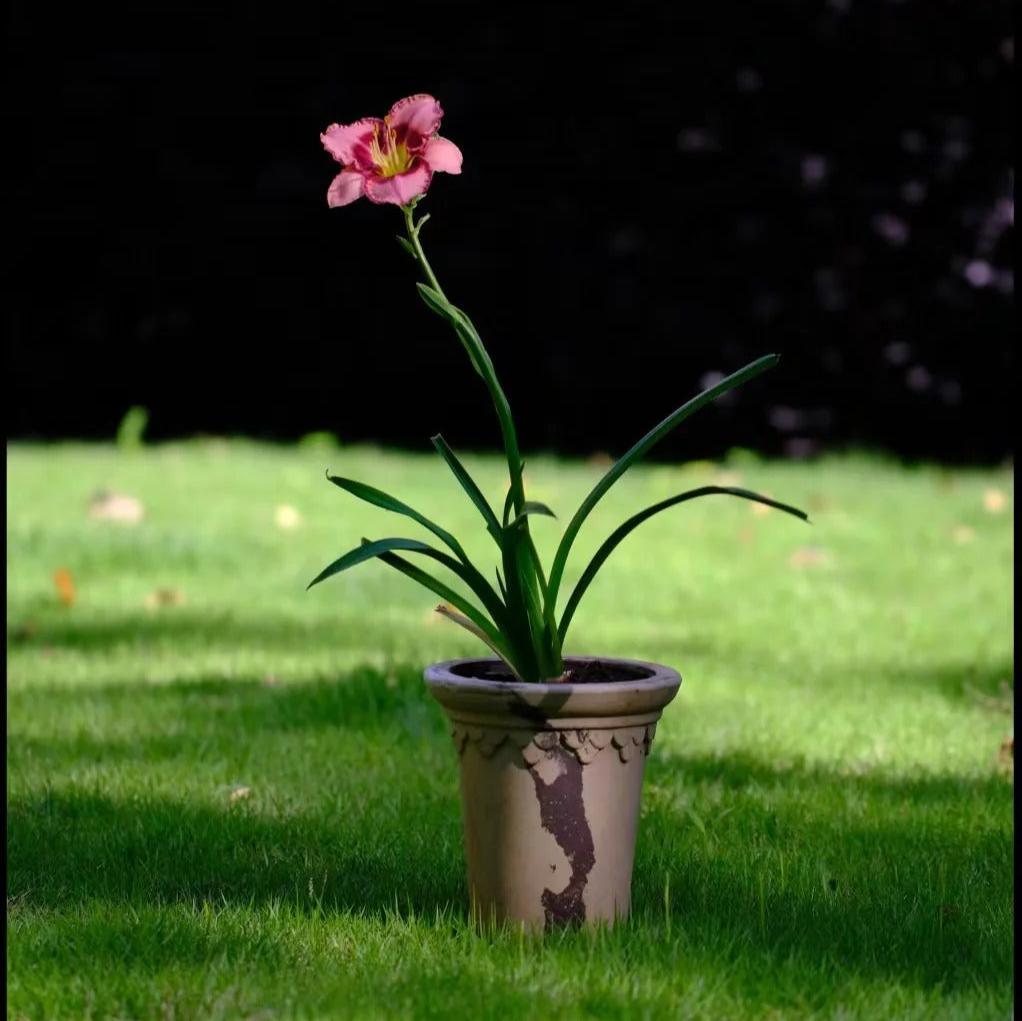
x,y
551,778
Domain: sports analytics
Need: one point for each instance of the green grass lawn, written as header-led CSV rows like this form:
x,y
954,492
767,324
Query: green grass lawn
x,y
243,803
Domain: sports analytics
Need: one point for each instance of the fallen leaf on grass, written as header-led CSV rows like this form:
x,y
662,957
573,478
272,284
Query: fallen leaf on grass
x,y
809,556
65,586
963,534
1002,702
164,597
819,503
727,478
286,517
994,501
1006,756
118,507
239,794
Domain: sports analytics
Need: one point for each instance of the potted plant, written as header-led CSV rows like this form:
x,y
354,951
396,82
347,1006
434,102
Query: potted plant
x,y
551,747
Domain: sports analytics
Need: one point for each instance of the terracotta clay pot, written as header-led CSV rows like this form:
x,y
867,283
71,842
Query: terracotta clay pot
x,y
551,778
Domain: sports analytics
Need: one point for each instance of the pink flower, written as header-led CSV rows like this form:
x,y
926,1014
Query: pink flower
x,y
390,160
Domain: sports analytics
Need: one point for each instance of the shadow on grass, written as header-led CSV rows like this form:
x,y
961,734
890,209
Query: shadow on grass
x,y
78,630
868,872
969,681
863,873
191,717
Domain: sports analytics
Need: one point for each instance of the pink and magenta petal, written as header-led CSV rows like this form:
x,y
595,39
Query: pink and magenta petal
x,y
442,155
400,189
349,143
345,188
415,119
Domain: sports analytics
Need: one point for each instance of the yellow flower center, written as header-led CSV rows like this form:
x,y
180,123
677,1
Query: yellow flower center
x,y
390,156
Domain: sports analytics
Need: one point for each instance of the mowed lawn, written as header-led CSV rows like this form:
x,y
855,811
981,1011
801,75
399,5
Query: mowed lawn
x,y
232,798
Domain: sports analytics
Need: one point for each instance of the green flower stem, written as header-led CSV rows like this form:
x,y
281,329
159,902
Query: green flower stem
x,y
500,401
546,640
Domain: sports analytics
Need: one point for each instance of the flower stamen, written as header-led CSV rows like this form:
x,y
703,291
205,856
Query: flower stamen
x,y
390,156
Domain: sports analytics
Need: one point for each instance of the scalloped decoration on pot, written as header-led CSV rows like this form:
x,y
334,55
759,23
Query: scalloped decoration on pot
x,y
585,745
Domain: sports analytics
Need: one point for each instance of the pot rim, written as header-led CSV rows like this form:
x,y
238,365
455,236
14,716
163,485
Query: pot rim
x,y
660,676
603,704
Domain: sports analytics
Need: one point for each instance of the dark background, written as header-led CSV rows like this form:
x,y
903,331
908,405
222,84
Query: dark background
x,y
649,198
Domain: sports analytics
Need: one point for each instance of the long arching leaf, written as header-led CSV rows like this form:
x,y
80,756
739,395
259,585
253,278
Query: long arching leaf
x,y
365,552
468,484
469,575
448,595
633,522
378,498
533,507
640,449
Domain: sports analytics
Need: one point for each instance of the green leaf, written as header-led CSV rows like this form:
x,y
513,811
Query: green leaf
x,y
468,574
378,498
640,449
622,531
509,500
526,620
408,247
541,610
435,301
468,484
366,551
450,596
532,507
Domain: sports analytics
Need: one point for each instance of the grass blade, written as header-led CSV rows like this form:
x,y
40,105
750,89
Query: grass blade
x,y
622,531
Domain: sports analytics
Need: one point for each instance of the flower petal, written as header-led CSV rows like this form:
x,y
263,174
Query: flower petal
x,y
401,188
349,143
443,155
345,188
415,119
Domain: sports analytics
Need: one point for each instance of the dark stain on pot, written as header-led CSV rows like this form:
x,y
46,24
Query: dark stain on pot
x,y
563,815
